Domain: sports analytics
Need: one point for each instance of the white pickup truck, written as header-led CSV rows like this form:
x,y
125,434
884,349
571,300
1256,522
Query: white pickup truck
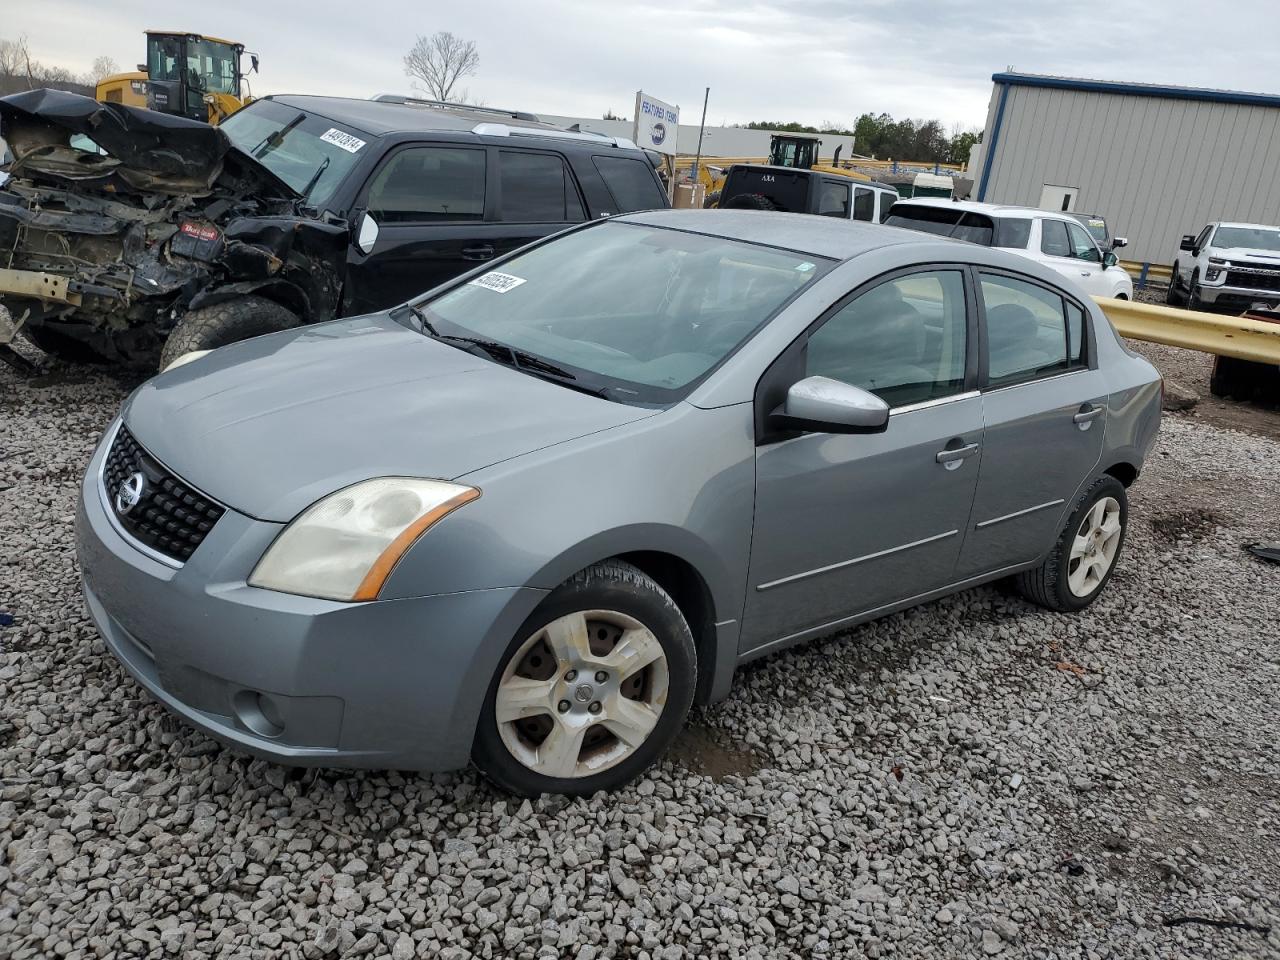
x,y
1230,267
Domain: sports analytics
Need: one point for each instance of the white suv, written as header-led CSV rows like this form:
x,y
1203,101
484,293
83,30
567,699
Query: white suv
x,y
1057,240
1231,266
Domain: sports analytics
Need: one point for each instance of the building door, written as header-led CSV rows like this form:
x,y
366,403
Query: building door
x,y
1062,199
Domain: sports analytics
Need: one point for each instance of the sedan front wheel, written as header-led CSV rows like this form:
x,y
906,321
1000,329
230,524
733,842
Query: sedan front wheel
x,y
595,686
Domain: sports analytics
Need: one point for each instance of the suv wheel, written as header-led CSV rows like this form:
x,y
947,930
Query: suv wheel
x,y
1171,297
592,689
1193,300
223,323
1084,557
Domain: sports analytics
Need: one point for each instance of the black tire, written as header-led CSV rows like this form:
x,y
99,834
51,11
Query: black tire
x,y
712,200
616,586
1171,296
1193,300
58,344
223,323
1047,585
1236,379
750,201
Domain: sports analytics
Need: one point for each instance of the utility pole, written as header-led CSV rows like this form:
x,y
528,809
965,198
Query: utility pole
x,y
697,157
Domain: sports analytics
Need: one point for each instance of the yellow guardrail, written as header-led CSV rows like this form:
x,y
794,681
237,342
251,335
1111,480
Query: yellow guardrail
x,y
1238,337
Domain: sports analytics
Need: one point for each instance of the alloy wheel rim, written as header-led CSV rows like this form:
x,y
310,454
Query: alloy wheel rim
x,y
582,694
1093,549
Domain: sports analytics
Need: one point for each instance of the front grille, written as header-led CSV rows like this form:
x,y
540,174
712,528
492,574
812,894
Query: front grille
x,y
169,516
1256,278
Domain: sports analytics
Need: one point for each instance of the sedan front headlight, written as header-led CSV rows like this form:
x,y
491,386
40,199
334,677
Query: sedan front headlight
x,y
344,546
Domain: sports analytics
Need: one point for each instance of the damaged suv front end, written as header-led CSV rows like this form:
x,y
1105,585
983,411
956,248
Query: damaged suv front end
x,y
115,221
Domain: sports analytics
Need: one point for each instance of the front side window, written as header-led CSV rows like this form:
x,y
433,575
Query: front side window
x,y
631,183
1054,241
833,200
430,184
1028,333
864,204
903,340
536,188
887,200
1082,245
639,312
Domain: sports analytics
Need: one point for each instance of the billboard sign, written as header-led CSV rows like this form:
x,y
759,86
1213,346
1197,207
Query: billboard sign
x,y
656,125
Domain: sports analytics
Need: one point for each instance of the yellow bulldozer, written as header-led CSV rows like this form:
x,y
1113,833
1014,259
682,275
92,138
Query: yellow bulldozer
x,y
186,74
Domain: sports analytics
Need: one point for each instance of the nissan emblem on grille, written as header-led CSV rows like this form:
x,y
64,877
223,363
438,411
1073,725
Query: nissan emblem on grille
x,y
130,492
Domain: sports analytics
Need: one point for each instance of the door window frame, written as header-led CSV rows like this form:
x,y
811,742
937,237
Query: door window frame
x,y
1089,339
788,367
490,207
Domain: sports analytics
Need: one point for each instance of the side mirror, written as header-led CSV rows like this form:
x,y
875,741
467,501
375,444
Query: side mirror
x,y
142,68
1118,242
1188,242
1110,260
367,235
823,405
253,62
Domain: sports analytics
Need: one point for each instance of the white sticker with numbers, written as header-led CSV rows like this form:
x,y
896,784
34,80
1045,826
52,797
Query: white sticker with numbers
x,y
344,140
497,282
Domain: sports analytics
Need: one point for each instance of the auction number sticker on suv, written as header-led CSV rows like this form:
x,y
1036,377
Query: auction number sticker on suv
x,y
344,140
497,282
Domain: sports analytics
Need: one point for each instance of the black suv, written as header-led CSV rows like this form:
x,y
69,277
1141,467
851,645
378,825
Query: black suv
x,y
800,190
173,236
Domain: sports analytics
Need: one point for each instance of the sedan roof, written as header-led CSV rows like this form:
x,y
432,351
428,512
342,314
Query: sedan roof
x,y
801,232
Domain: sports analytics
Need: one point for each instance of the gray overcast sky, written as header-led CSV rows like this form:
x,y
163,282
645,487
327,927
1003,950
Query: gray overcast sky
x,y
811,61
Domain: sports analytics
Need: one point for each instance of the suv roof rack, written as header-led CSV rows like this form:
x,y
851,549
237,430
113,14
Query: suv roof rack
x,y
446,105
506,130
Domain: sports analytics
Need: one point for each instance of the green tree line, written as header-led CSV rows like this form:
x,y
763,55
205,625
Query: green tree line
x,y
881,136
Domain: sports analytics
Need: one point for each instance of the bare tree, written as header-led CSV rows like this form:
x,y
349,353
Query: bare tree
x,y
102,67
439,61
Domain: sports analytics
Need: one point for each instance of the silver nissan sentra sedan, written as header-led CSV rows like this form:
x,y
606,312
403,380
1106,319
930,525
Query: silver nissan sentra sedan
x,y
532,517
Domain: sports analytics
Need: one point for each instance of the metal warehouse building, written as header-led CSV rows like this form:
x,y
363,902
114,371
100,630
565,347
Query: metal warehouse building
x,y
1158,162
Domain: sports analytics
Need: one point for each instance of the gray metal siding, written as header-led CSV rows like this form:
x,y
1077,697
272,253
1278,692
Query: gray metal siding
x,y
1155,167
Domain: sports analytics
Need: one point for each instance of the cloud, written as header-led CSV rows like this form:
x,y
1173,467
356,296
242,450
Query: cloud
x,y
814,61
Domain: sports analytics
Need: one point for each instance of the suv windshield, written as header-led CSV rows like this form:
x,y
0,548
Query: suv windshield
x,y
1250,238
301,149
638,313
1010,232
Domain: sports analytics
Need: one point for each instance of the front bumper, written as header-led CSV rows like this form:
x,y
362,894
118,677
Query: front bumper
x,y
389,684
1244,297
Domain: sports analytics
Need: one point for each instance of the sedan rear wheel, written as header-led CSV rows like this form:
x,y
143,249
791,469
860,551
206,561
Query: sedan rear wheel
x,y
1093,550
596,686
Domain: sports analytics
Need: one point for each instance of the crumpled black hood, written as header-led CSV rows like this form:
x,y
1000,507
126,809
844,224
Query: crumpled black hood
x,y
157,145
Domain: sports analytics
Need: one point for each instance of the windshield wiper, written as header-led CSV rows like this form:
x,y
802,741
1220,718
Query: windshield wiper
x,y
499,351
315,177
273,140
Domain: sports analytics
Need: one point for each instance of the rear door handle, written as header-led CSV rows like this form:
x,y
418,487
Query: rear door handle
x,y
484,252
955,456
1088,413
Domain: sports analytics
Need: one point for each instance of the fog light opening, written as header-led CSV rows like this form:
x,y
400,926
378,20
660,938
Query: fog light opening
x,y
259,713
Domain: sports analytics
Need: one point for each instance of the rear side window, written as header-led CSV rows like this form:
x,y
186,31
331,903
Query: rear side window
x,y
833,200
1012,233
1032,332
864,204
943,221
887,200
1053,239
429,184
536,188
631,182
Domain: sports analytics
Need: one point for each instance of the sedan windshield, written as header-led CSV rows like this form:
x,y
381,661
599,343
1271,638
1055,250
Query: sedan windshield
x,y
1249,238
636,313
303,150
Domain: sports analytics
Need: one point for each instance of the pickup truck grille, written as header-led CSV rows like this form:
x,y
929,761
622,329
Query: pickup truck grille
x,y
1254,278
169,516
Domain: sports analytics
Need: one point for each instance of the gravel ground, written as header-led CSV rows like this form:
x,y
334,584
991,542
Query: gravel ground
x,y
976,777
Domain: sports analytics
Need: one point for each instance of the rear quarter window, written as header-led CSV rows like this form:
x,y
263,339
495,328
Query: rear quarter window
x,y
631,183
943,221
1012,233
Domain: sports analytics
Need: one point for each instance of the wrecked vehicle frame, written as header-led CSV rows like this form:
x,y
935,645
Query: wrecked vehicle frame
x,y
104,243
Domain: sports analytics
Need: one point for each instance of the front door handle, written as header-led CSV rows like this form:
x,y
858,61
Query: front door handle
x,y
483,252
952,457
1086,273
1088,413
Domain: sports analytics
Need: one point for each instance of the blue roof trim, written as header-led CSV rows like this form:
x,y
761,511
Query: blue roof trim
x,y
1138,89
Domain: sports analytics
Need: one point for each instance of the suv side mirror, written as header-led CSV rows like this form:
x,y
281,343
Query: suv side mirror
x,y
1118,242
1110,260
1188,242
823,405
367,234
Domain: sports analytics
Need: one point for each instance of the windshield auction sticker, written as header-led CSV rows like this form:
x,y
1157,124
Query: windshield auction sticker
x,y
497,282
344,140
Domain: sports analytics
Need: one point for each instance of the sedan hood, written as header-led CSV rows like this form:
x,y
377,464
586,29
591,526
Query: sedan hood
x,y
270,425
